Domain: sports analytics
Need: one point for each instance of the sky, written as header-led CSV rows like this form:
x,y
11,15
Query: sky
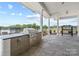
x,y
12,13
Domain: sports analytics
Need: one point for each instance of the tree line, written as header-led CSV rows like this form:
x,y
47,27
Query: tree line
x,y
34,25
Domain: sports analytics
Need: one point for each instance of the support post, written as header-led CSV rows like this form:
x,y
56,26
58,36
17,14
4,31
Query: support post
x,y
48,26
57,26
78,27
41,22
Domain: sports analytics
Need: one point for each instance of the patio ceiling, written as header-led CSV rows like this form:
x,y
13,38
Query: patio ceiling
x,y
55,9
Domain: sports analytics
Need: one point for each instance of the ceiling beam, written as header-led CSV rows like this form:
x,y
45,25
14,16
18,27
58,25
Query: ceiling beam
x,y
45,8
36,7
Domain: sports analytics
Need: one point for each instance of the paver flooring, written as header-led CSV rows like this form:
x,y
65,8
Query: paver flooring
x,y
54,45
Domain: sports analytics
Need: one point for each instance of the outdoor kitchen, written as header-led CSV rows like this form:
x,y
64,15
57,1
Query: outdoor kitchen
x,y
17,43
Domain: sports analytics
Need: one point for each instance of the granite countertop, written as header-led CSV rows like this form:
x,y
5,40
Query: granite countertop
x,y
12,35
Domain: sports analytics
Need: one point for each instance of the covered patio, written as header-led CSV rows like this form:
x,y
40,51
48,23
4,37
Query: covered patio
x,y
56,10
23,44
53,45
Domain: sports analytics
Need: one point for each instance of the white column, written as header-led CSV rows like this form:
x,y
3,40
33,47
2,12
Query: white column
x,y
41,22
78,27
48,26
57,26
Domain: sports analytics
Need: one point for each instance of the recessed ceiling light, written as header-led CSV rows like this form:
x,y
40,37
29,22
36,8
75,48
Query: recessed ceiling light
x,y
62,3
67,12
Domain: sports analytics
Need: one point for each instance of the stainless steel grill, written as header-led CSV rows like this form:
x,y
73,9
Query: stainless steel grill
x,y
35,36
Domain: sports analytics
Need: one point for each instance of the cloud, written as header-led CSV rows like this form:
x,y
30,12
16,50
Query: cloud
x,y
69,22
10,6
33,16
20,14
12,13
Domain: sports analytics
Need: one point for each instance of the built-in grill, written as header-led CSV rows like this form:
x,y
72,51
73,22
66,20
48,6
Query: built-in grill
x,y
35,36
